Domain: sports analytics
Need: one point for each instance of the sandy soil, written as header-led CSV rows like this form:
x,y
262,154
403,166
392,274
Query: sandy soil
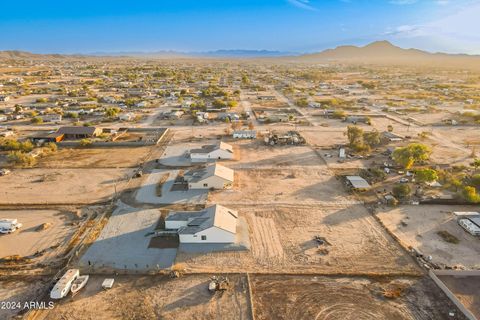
x,y
20,291
29,240
155,298
466,289
40,186
420,232
282,240
329,298
95,158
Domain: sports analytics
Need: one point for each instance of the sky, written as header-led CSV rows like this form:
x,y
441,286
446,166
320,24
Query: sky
x,y
297,26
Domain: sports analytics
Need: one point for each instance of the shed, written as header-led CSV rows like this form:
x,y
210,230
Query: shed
x,y
357,183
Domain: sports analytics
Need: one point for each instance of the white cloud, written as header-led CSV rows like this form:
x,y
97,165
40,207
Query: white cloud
x,y
302,4
457,32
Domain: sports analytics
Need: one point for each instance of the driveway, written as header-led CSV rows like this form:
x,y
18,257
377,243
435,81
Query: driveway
x,y
148,191
123,243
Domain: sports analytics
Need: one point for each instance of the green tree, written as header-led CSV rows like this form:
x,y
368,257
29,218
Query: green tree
x,y
426,175
476,163
409,155
355,136
470,194
36,120
372,138
476,180
401,191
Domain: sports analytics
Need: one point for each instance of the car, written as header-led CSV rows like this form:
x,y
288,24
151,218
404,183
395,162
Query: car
x,y
404,180
4,172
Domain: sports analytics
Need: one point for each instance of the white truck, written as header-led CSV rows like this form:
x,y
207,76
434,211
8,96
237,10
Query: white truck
x,y
9,225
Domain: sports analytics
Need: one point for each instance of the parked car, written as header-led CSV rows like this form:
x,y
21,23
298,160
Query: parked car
x,y
4,172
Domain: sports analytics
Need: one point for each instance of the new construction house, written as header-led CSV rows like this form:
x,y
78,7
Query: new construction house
x,y
215,224
220,151
213,176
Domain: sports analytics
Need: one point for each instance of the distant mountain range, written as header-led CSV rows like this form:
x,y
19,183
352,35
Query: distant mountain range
x,y
379,53
385,53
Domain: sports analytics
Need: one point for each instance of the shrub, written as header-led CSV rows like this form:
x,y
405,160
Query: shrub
x,y
86,142
21,158
401,191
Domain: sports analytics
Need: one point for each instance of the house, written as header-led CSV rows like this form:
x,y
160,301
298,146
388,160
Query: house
x,y
357,119
48,137
215,224
214,176
231,116
3,118
220,151
266,98
314,104
245,134
127,116
79,132
391,137
357,183
56,118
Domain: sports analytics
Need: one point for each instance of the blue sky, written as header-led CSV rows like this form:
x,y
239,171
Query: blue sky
x,y
195,25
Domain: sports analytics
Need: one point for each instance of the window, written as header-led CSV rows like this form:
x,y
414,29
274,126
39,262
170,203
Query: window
x,y
204,237
205,184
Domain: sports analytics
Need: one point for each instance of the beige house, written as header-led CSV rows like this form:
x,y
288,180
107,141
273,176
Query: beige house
x,y
220,151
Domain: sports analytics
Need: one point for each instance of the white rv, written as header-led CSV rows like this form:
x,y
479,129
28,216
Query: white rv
x,y
63,286
9,225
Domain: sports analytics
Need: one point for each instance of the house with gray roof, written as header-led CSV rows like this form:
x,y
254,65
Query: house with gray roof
x,y
215,224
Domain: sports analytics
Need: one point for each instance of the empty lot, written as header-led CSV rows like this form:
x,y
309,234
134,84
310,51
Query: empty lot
x,y
95,158
156,297
282,240
61,186
342,298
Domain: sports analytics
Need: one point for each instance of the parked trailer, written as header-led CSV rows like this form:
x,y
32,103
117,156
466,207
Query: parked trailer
x,y
9,225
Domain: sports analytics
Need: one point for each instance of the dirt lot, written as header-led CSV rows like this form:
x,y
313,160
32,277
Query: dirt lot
x,y
155,298
282,240
31,238
466,289
16,291
95,158
41,186
329,298
419,230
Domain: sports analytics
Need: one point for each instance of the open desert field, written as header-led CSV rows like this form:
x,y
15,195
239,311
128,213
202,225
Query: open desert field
x,y
342,298
155,297
95,158
65,186
417,226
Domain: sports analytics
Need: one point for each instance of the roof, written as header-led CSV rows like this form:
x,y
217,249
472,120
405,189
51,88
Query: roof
x,y
211,147
358,182
209,171
214,216
77,130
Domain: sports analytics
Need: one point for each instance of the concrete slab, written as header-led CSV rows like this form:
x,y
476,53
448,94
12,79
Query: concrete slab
x,y
123,243
148,192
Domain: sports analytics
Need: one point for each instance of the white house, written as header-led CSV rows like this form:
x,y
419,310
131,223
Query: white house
x,y
215,224
53,117
221,151
127,116
244,134
213,176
